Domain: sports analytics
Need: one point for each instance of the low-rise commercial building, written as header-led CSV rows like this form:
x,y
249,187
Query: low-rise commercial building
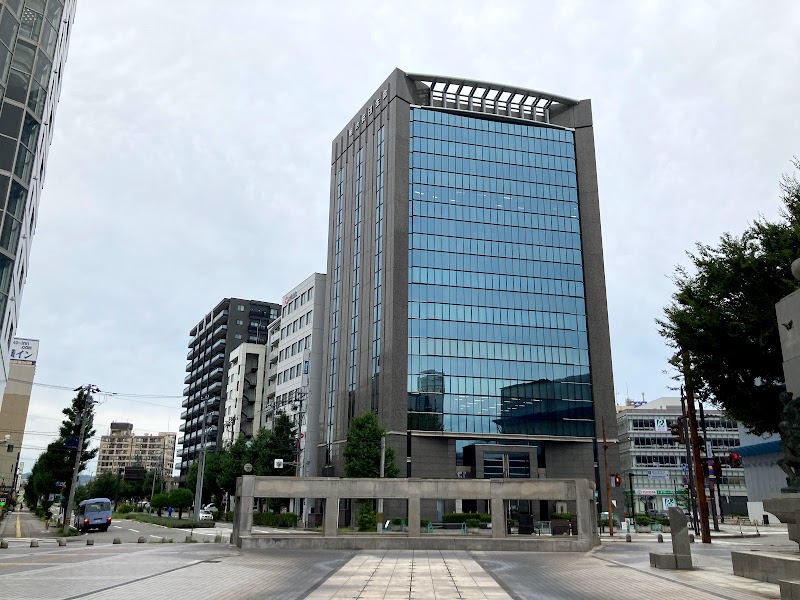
x,y
654,463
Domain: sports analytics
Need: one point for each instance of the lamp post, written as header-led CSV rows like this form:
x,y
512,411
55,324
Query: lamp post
x,y
633,499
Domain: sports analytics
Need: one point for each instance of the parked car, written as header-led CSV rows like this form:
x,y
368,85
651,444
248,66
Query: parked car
x,y
94,513
210,507
656,514
206,515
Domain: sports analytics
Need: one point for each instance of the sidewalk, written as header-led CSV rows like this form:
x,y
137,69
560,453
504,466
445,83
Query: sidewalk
x,y
25,524
726,531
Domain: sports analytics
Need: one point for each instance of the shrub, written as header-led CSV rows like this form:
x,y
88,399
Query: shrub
x,y
397,521
643,520
464,517
473,523
287,519
603,522
168,522
424,522
124,509
366,518
663,520
567,516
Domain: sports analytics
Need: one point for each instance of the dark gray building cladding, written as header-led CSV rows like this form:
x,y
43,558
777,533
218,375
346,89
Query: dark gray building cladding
x,y
466,297
232,322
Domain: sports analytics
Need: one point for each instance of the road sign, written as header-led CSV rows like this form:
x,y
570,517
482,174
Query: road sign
x,y
657,474
661,425
684,468
51,497
59,483
278,463
669,503
709,451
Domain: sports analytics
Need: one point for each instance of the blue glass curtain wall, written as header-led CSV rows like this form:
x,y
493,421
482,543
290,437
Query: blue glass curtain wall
x,y
497,337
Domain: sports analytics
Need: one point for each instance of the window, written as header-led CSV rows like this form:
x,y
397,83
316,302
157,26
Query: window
x,y
240,308
238,336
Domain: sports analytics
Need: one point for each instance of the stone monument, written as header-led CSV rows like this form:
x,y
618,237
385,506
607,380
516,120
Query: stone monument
x,y
681,555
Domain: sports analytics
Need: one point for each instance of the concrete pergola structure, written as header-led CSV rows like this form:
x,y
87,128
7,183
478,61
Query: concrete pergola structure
x,y
331,489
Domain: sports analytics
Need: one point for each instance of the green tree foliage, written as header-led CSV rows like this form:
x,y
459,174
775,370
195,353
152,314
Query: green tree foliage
x,y
104,486
181,498
159,502
362,451
82,493
722,316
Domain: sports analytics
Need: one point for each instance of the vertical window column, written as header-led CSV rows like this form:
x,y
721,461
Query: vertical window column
x,y
377,291
355,288
334,337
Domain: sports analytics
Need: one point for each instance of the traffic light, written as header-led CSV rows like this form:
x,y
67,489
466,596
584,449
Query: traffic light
x,y
735,460
617,480
717,467
678,430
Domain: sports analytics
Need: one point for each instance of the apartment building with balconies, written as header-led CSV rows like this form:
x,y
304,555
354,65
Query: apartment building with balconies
x,y
229,324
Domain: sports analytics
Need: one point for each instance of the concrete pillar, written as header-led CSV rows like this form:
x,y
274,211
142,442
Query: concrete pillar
x,y
459,505
498,516
413,516
330,526
584,511
243,515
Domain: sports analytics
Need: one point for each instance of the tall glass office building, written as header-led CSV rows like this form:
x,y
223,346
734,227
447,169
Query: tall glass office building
x,y
34,36
469,283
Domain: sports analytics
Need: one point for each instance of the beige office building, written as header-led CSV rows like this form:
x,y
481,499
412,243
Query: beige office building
x,y
14,411
121,448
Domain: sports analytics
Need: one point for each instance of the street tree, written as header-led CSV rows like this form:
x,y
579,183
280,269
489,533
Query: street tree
x,y
159,502
280,442
721,320
104,486
70,429
362,450
181,498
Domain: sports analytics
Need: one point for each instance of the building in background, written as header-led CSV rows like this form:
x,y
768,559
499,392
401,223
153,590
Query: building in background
x,y
121,449
244,392
14,411
764,478
658,461
33,50
294,379
466,301
232,322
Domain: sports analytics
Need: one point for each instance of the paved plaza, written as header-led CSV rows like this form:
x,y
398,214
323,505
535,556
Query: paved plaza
x,y
615,571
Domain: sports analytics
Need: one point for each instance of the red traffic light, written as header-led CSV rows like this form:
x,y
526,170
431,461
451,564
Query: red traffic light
x,y
617,480
735,459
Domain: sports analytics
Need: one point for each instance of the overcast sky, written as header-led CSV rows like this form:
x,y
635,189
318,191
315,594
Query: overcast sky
x,y
191,160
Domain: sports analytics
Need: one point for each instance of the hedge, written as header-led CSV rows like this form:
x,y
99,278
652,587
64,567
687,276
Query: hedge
x,y
168,521
287,519
464,517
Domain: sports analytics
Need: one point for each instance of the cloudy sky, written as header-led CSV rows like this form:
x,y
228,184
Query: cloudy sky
x,y
191,160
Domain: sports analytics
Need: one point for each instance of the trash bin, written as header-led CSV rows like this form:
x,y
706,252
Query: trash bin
x,y
765,519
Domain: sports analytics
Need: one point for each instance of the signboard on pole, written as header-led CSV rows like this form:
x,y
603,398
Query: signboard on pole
x,y
24,351
306,359
661,425
657,474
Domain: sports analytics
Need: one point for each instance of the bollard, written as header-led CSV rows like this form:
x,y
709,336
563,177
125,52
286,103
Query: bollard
x,y
660,539
188,539
34,543
691,538
627,537
217,539
89,541
168,540
3,544
117,541
62,541
141,539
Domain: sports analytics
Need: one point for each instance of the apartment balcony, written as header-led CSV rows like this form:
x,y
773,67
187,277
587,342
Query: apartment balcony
x,y
218,359
186,390
220,316
220,331
215,387
188,378
184,414
215,373
218,345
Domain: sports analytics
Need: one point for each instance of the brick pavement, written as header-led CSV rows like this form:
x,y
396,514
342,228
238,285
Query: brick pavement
x,y
30,526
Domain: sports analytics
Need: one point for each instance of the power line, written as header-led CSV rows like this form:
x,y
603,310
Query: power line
x,y
72,389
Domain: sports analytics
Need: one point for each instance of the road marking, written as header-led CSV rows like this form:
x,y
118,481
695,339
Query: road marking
x,y
134,530
116,527
19,529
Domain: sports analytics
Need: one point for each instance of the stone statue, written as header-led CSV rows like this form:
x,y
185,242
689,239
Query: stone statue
x,y
790,441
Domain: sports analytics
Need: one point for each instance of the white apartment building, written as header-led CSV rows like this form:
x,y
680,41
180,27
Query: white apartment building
x,y
245,392
294,379
121,448
657,461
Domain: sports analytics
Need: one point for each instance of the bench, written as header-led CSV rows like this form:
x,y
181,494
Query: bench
x,y
462,527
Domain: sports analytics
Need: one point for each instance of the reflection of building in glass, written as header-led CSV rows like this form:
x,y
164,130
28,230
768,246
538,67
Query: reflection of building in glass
x,y
546,407
484,198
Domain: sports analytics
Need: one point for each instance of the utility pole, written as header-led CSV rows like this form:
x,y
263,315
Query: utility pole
x,y
608,482
201,465
633,499
87,402
709,455
699,479
379,520
689,469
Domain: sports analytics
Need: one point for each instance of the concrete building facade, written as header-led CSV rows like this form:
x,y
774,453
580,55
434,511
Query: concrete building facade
x,y
122,448
232,322
656,459
14,411
763,477
466,300
294,379
34,36
244,392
